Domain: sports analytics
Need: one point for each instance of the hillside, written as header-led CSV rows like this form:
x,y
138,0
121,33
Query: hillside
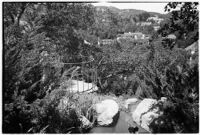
x,y
125,13
110,21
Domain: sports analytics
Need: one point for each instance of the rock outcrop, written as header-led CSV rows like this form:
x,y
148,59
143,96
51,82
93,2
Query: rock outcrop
x,y
106,111
145,112
142,114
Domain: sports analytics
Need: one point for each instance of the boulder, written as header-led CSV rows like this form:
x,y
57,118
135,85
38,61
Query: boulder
x,y
130,101
163,99
143,115
106,111
171,36
147,118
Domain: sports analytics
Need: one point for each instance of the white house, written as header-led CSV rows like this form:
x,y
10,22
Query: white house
x,y
156,19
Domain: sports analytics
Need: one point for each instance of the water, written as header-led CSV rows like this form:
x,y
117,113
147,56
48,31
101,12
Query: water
x,y
121,126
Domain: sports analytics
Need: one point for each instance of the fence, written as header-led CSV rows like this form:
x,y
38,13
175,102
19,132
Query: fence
x,y
80,73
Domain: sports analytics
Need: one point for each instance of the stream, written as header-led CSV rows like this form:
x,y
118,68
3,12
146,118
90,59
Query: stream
x,y
120,126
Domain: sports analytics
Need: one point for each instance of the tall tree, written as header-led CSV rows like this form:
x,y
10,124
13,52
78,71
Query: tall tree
x,y
61,22
106,24
183,22
13,12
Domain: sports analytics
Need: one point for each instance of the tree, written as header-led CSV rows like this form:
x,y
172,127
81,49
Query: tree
x,y
13,12
36,37
62,22
148,30
143,16
107,24
129,27
183,22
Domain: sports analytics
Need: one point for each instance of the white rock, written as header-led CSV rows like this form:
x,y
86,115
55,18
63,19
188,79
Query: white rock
x,y
171,36
143,115
163,99
106,110
148,118
86,42
130,101
81,86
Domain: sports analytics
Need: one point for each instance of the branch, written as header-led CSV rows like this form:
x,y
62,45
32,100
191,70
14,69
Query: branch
x,y
24,6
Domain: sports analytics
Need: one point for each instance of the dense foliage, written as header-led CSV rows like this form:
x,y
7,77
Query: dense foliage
x,y
183,22
37,41
40,37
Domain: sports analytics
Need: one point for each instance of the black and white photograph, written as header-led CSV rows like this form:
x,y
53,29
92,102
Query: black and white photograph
x,y
96,67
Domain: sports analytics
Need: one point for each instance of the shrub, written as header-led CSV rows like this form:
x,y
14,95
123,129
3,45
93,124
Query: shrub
x,y
181,111
48,115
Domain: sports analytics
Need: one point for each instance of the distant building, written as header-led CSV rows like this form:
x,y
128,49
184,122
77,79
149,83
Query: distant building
x,y
136,35
107,41
156,19
145,23
139,37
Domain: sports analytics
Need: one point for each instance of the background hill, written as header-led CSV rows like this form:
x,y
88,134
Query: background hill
x,y
110,21
129,12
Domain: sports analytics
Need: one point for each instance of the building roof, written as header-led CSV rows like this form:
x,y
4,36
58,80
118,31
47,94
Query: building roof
x,y
132,34
193,46
171,36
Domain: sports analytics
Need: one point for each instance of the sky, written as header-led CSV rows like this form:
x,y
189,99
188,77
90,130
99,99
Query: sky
x,y
152,7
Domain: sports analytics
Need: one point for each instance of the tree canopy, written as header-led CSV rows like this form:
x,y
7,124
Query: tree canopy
x,y
183,22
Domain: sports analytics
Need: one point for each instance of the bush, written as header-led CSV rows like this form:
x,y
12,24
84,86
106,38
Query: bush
x,y
182,91
47,115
